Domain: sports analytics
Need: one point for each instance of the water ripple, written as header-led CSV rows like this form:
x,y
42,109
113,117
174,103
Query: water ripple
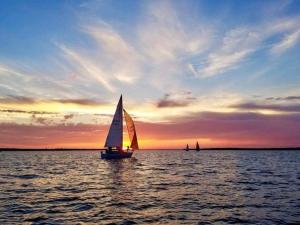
x,y
157,187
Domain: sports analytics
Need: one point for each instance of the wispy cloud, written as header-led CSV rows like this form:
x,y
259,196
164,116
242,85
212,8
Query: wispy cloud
x,y
26,79
85,66
24,111
240,43
237,45
250,106
169,42
287,98
29,100
165,36
17,99
118,56
86,102
112,61
163,49
156,51
287,42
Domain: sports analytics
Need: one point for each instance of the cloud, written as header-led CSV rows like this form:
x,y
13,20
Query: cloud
x,y
119,58
162,50
152,52
85,65
165,36
287,42
240,43
17,100
67,117
227,129
163,103
156,55
111,60
40,120
222,129
168,41
169,100
275,107
7,70
288,98
29,100
24,111
237,44
86,102
30,78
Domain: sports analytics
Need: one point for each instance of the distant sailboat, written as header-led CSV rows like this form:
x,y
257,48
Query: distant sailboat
x,y
187,148
197,147
114,140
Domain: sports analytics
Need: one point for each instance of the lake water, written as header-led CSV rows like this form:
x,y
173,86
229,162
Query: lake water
x,y
155,187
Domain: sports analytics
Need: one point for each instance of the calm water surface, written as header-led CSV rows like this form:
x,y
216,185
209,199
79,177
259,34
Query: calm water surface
x,y
156,187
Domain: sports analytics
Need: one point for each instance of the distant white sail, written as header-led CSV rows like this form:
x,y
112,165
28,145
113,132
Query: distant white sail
x,y
131,131
115,134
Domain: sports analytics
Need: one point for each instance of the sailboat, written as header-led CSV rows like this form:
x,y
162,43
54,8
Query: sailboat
x,y
197,147
187,148
114,140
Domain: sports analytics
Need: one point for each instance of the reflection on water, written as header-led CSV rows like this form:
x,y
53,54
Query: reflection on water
x,y
155,187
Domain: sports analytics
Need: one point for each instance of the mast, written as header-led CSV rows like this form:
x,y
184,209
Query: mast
x,y
115,134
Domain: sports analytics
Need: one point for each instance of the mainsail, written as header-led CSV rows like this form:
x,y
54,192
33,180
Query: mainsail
x,y
115,134
131,131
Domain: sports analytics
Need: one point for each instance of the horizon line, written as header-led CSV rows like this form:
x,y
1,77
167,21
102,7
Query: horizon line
x,y
147,149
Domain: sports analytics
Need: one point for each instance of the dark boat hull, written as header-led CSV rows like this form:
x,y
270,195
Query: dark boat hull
x,y
116,155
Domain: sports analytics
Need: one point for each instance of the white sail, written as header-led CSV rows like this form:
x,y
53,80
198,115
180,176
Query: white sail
x,y
131,131
115,134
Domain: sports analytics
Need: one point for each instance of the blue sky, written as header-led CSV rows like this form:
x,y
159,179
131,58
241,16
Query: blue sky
x,y
187,56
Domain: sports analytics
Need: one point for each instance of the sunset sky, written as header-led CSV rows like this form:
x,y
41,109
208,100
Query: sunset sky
x,y
225,73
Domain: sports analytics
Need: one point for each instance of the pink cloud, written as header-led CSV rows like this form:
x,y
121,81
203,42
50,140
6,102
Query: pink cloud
x,y
230,129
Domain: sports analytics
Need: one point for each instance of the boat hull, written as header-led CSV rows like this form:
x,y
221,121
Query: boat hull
x,y
116,155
